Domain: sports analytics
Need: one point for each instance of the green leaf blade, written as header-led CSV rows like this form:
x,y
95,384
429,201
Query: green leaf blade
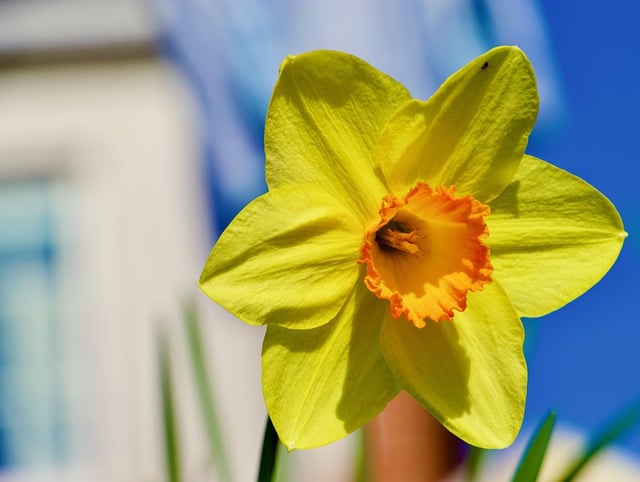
x,y
613,430
269,454
208,409
534,454
170,428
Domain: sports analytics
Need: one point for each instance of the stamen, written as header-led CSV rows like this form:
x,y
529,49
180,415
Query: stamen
x,y
395,236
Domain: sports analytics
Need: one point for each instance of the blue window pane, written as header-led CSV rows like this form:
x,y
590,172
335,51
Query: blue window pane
x,y
31,388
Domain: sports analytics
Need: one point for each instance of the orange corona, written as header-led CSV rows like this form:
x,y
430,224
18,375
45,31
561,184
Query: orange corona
x,y
427,252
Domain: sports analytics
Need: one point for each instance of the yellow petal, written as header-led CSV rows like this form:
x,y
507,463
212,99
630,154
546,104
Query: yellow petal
x,y
289,258
552,237
320,385
325,115
471,133
470,373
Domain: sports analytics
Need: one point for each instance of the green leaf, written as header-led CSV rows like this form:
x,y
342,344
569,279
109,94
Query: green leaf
x,y
284,465
474,461
171,443
611,431
205,393
361,467
269,452
531,460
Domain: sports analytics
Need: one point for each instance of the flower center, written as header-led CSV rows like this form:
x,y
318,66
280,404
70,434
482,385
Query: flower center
x,y
427,252
396,236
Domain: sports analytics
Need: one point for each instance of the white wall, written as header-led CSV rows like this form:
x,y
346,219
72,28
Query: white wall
x,y
121,143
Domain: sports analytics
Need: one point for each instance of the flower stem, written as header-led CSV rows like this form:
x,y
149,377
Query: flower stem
x,y
405,442
269,451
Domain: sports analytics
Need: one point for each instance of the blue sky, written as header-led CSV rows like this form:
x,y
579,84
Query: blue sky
x,y
585,362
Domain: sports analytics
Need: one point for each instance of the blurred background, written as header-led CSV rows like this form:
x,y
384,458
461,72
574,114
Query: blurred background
x,y
131,133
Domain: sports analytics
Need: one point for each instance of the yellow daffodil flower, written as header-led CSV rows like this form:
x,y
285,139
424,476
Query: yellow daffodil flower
x,y
399,244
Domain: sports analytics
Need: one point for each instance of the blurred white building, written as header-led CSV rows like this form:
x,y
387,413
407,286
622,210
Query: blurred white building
x,y
103,233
